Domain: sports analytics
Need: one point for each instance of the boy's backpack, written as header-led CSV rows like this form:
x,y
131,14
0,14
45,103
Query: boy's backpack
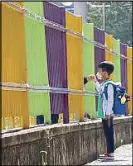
x,y
120,98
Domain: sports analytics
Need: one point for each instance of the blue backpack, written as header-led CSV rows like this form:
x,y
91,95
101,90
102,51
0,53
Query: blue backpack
x,y
120,101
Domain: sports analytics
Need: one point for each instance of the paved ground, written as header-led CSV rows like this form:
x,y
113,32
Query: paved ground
x,y
123,156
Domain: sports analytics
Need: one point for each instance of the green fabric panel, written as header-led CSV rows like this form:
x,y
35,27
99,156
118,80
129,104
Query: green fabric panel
x,y
116,60
89,68
35,46
37,73
39,104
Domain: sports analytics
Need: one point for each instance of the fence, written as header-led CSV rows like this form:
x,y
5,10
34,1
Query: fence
x,y
46,52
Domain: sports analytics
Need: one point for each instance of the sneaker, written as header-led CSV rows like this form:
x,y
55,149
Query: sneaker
x,y
108,156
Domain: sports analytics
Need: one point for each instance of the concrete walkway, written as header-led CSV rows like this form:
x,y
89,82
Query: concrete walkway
x,y
123,156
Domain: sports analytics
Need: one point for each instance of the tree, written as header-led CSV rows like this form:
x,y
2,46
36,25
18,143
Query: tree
x,y
118,19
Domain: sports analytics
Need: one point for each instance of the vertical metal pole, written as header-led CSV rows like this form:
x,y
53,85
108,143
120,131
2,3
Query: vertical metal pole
x,y
80,8
104,17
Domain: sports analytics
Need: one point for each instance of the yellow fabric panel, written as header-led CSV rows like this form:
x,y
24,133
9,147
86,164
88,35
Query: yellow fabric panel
x,y
74,52
13,46
20,3
76,105
15,104
109,55
75,63
129,77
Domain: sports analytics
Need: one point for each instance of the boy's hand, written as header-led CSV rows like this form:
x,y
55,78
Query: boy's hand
x,y
91,77
107,117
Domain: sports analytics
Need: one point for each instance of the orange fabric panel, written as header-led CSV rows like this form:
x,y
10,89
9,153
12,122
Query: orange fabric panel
x,y
74,52
129,77
75,64
20,3
109,55
13,46
76,106
15,104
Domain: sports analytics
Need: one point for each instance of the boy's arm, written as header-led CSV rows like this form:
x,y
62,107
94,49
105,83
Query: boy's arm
x,y
97,85
110,102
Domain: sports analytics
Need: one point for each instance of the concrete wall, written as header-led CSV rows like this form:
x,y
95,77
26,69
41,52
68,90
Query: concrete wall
x,y
77,143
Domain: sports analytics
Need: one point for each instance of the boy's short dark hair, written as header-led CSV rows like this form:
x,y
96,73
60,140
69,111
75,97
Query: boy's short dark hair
x,y
106,66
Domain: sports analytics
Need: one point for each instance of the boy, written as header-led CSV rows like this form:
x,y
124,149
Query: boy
x,y
105,69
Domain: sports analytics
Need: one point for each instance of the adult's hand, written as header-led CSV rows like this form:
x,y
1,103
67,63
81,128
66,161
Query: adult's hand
x,y
107,117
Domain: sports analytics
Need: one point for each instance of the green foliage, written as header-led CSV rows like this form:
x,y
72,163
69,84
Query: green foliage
x,y
118,19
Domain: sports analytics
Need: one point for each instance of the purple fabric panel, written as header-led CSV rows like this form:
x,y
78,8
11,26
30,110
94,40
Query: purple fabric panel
x,y
56,46
99,36
123,51
56,58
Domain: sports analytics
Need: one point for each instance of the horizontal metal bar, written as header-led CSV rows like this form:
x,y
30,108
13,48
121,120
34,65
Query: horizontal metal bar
x,y
27,87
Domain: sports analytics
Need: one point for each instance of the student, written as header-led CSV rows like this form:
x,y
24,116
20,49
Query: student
x,y
105,69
